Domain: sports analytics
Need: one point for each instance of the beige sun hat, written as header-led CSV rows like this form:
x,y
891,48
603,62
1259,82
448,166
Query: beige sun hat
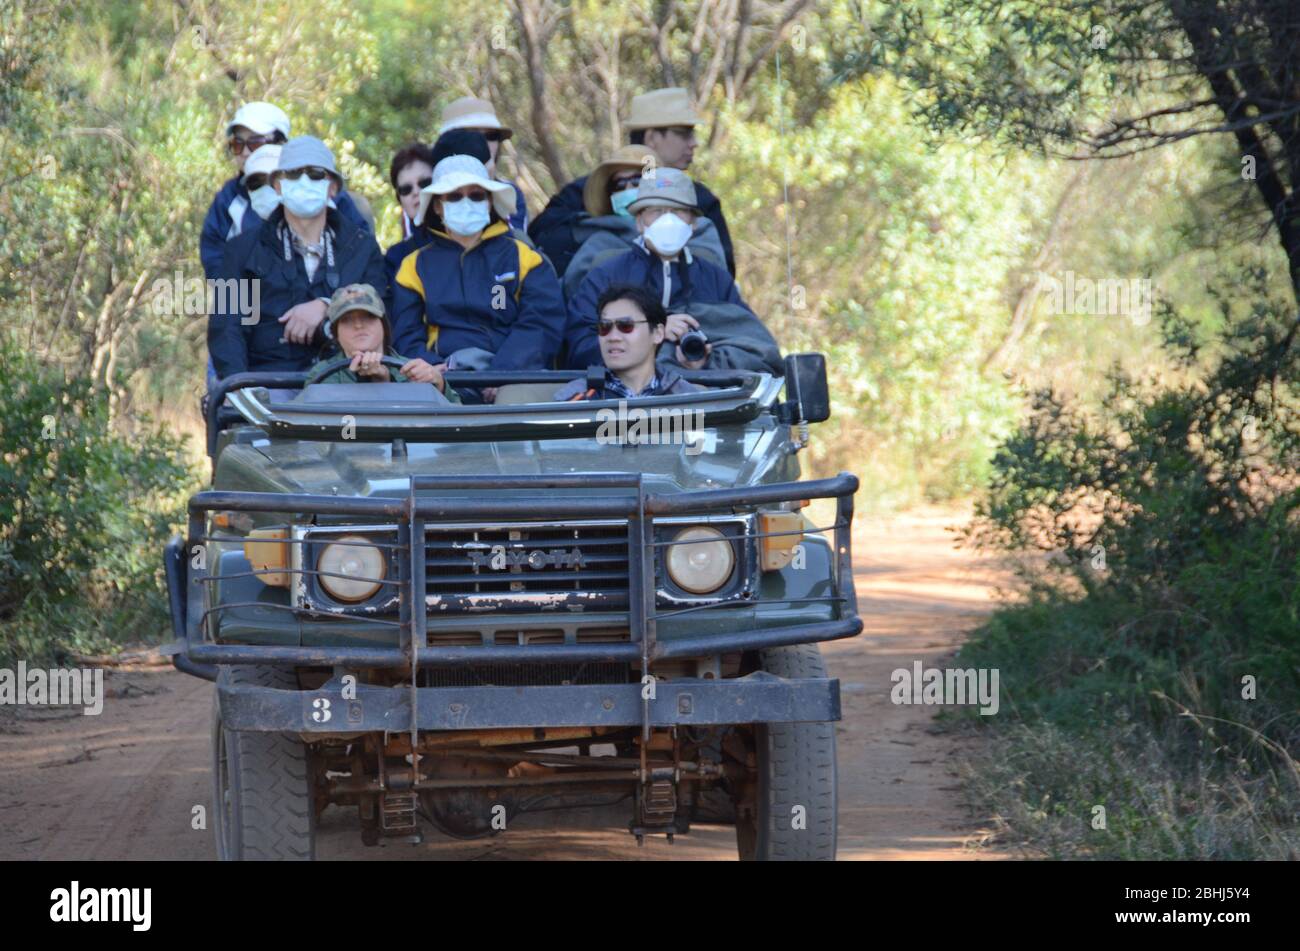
x,y
470,112
595,194
660,108
457,171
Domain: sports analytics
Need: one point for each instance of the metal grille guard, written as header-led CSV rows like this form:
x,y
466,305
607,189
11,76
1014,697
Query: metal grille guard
x,y
701,702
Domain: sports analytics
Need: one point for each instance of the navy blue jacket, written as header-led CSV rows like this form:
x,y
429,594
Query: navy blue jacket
x,y
216,226
258,254
699,282
500,296
552,230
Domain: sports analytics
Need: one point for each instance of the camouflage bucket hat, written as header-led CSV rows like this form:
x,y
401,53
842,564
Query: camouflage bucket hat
x,y
358,297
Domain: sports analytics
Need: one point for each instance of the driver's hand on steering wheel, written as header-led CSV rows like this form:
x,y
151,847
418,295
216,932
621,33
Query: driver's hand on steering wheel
x,y
421,371
368,363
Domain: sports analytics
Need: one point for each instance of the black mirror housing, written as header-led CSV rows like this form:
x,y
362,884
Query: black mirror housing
x,y
809,398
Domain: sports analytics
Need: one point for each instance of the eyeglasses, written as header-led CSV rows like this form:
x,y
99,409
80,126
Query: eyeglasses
x,y
472,196
254,182
494,135
237,143
625,325
404,190
313,172
623,183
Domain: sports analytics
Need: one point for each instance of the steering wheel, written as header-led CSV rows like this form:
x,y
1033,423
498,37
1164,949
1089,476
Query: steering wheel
x,y
342,362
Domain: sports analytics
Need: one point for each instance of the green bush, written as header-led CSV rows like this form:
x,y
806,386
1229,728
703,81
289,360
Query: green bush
x,y
1167,591
84,511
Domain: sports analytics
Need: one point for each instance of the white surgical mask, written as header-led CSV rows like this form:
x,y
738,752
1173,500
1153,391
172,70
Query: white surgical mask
x,y
465,217
304,197
668,234
264,201
620,201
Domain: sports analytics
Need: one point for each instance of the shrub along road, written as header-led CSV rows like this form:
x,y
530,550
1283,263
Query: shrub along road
x,y
126,784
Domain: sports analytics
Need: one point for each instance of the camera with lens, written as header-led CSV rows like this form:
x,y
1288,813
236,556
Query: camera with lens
x,y
693,345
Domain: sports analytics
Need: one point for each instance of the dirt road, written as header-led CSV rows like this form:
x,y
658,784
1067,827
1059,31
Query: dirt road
x,y
126,784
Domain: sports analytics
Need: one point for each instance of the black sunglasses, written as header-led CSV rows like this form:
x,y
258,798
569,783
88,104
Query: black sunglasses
x,y
313,172
621,183
254,182
404,190
472,196
625,325
237,143
494,135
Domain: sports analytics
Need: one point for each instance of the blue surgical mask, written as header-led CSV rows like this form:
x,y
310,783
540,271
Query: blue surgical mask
x,y
465,217
264,201
620,201
304,197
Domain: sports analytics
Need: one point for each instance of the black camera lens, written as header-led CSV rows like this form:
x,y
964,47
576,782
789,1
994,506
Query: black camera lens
x,y
692,345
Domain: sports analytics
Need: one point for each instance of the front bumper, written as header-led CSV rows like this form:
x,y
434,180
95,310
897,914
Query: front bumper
x,y
759,697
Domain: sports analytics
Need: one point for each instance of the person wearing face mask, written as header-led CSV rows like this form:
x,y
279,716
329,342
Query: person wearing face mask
x,y
478,115
298,257
697,294
664,121
255,126
474,296
454,142
608,228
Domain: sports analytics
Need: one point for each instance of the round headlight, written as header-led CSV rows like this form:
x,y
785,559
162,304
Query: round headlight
x,y
704,563
357,562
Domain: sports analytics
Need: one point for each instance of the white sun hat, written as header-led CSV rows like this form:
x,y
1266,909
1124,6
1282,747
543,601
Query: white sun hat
x,y
265,161
457,171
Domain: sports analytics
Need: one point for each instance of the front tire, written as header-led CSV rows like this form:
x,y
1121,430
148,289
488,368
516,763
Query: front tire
x,y
795,809
262,782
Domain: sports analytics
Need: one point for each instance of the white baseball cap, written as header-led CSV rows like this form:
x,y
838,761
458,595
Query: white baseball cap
x,y
261,118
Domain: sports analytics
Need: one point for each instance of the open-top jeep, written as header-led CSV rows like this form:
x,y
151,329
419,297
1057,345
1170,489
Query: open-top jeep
x,y
458,613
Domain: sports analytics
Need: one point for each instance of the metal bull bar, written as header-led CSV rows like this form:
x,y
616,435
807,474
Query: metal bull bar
x,y
411,513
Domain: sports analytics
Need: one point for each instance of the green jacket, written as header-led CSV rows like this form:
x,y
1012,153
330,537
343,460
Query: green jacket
x,y
344,375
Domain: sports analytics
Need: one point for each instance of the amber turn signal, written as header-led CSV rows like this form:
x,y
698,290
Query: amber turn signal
x,y
778,549
266,552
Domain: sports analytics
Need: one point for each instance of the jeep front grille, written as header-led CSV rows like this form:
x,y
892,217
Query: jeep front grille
x,y
526,567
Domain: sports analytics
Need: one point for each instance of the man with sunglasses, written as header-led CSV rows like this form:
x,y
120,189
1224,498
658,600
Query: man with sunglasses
x,y
256,124
630,331
303,253
663,120
699,296
479,115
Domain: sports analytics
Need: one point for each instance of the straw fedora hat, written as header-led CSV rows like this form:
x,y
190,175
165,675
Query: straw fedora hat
x,y
660,108
595,193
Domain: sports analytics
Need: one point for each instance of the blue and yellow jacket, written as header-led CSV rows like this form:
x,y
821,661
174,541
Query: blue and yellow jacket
x,y
500,296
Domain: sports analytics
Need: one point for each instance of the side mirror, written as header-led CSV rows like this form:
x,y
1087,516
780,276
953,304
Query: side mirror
x,y
809,398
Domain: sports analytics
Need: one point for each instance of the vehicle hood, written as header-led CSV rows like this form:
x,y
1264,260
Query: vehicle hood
x,y
729,456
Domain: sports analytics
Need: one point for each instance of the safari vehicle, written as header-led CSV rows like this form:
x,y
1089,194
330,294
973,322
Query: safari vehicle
x,y
453,614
